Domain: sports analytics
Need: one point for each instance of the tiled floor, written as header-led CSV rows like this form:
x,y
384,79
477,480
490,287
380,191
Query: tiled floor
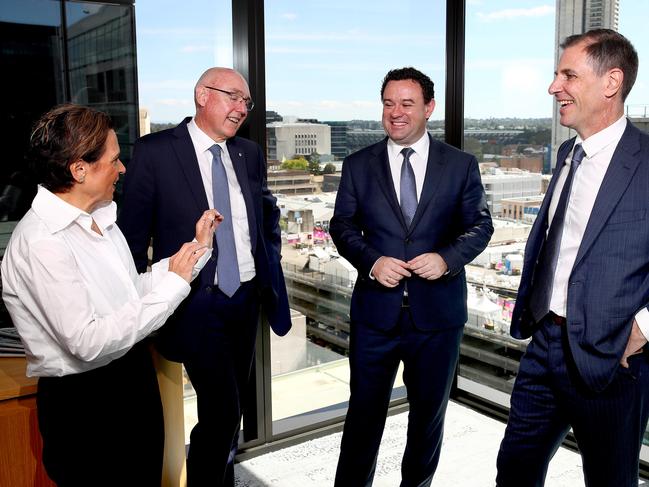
x,y
468,457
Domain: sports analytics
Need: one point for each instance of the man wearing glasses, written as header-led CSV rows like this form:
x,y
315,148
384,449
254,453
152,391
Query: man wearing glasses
x,y
173,177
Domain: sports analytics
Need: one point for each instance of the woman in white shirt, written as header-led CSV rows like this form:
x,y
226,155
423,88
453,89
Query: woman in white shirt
x,y
71,288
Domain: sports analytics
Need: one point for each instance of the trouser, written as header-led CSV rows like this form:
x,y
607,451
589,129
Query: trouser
x,y
103,427
430,359
219,373
549,398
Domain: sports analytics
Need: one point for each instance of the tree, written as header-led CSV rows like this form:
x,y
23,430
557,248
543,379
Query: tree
x,y
314,163
300,163
329,169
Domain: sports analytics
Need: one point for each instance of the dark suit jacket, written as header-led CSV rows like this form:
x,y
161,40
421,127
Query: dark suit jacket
x,y
452,219
163,198
609,282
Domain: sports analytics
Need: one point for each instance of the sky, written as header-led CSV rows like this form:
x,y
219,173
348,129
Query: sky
x,y
326,59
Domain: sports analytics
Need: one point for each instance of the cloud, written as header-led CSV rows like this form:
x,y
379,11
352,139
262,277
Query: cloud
x,y
487,64
357,36
182,85
179,32
289,16
515,13
192,49
175,102
299,50
328,109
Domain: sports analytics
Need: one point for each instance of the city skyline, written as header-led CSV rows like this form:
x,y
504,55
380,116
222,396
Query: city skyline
x,y
326,59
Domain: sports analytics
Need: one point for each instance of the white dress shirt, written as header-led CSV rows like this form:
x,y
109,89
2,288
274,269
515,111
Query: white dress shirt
x,y
202,143
75,296
599,150
419,162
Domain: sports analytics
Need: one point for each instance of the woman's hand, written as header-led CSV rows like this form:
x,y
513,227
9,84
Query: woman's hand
x,y
183,261
206,225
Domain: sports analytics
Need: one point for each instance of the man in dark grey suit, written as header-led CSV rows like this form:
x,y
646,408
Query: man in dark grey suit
x,y
174,176
585,286
410,213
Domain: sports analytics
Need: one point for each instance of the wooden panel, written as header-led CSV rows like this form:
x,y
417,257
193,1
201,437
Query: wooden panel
x,y
170,380
21,445
13,381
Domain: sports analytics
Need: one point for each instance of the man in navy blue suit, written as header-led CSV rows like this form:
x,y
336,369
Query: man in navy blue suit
x,y
173,177
585,285
410,213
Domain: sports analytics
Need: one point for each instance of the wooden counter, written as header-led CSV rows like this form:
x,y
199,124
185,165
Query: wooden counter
x,y
20,440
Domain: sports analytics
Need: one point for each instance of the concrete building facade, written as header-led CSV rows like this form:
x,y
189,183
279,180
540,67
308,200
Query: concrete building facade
x,y
285,140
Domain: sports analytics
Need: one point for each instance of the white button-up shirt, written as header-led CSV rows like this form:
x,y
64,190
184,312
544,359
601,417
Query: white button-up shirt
x,y
418,160
202,143
75,296
599,150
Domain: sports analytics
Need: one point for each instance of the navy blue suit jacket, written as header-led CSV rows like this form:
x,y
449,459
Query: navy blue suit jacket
x,y
452,219
163,198
609,282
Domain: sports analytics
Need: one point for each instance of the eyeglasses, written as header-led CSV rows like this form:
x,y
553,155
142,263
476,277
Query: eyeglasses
x,y
235,97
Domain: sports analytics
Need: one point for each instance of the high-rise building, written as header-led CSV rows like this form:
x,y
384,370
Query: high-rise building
x,y
576,17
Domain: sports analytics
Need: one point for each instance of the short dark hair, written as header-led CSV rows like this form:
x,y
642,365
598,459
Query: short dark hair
x,y
62,136
608,49
427,85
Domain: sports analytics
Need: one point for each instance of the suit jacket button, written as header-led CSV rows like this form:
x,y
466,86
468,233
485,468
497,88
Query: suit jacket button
x,y
208,289
408,241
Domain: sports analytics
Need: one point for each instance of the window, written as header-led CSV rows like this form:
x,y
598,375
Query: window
x,y
192,44
325,62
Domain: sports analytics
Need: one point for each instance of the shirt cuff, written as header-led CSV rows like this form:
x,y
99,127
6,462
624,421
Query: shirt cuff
x,y
642,318
173,289
372,270
201,263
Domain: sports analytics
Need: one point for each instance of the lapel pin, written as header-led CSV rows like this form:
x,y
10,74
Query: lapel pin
x,y
240,154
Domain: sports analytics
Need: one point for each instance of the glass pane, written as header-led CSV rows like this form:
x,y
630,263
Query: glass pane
x,y
32,82
174,47
511,128
101,59
325,62
637,103
508,126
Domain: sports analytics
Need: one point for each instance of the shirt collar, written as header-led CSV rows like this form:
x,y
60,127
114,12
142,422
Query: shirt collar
x,y
57,214
202,141
420,147
602,139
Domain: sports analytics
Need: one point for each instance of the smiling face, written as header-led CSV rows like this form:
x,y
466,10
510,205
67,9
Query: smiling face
x,y
404,111
216,113
588,102
102,176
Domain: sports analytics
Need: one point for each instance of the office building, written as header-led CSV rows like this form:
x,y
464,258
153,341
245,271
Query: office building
x,y
501,185
287,140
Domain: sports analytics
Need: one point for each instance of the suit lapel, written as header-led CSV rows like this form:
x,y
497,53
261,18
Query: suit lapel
x,y
381,169
434,175
186,155
616,180
240,164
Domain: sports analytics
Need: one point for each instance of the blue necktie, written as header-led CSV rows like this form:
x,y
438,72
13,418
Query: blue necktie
x,y
408,191
227,267
547,263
